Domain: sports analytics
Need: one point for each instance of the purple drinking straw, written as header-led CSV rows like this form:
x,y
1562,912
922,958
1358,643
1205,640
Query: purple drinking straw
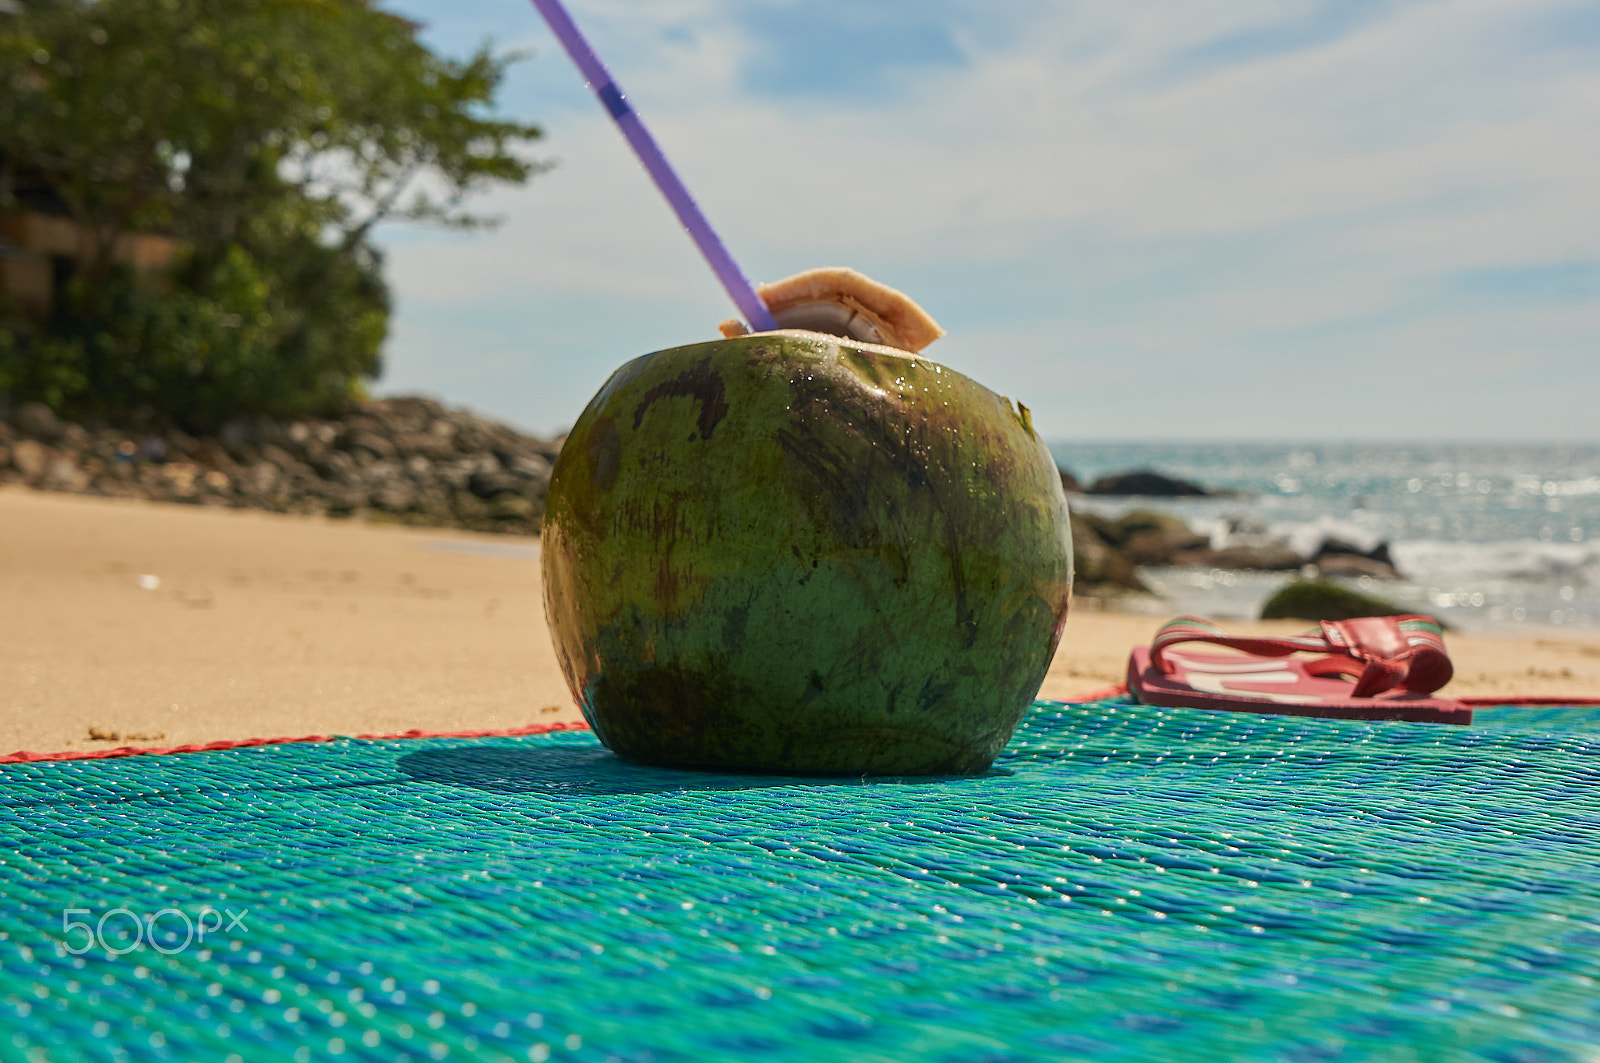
x,y
660,170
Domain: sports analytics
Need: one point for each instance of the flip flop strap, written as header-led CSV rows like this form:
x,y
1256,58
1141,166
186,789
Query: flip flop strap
x,y
1400,652
1395,652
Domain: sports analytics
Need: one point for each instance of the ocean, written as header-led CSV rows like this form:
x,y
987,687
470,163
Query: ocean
x,y
1488,537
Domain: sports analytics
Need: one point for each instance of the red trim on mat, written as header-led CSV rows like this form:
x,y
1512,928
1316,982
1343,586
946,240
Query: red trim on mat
x,y
25,757
240,743
1122,688
1510,703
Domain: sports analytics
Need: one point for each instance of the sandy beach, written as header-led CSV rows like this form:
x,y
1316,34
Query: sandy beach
x,y
131,623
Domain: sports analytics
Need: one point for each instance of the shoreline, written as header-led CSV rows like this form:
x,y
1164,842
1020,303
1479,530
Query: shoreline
x,y
166,624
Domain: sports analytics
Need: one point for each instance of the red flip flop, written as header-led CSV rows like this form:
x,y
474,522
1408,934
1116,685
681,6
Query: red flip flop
x,y
1372,668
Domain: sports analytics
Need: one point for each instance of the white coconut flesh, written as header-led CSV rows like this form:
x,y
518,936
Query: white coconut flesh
x,y
841,302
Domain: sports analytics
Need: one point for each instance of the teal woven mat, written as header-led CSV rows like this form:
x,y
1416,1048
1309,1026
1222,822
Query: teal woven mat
x,y
1127,884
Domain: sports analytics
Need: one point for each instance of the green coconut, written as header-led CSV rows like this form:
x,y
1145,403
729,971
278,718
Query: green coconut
x,y
794,553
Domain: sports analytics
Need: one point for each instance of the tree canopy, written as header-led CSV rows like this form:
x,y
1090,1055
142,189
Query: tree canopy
x,y
269,138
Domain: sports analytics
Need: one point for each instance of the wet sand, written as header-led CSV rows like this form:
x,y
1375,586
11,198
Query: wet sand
x,y
131,623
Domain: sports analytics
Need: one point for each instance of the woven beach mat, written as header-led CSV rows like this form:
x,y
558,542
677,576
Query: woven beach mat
x,y
1127,883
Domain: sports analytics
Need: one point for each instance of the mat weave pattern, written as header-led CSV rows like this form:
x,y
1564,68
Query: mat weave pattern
x,y
1128,883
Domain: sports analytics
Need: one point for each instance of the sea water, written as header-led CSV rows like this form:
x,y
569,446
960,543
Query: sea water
x,y
1488,537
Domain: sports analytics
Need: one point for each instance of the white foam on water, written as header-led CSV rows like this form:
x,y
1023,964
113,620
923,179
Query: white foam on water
x,y
1487,536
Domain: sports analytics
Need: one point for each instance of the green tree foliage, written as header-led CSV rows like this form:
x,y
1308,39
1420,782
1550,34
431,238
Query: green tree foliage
x,y
269,137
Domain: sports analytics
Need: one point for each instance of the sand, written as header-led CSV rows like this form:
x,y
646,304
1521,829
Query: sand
x,y
132,623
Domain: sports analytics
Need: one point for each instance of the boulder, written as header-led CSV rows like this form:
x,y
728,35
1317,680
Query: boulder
x,y
1070,483
372,443
30,458
1354,566
1146,482
1265,557
396,496
260,481
402,458
238,439
469,508
1147,537
1099,567
1325,600
63,474
488,485
512,507
182,445
37,421
277,456
74,439
1336,557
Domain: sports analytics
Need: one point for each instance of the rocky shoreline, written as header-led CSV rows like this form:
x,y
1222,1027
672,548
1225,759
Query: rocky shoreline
x,y
407,460
1110,551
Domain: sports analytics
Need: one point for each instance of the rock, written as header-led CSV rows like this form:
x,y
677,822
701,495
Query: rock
x,y
1099,567
74,438
419,469
183,445
1151,538
433,505
1102,528
175,481
1354,566
512,507
487,485
1165,548
30,458
338,467
1324,600
62,474
469,508
382,472
1266,557
372,443
1146,482
1136,521
530,467
1331,548
37,421
405,414
213,455
275,455
403,458
1069,482
151,448
1336,557
238,439
396,496
260,480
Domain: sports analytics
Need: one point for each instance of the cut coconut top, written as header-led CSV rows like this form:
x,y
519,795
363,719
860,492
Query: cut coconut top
x,y
841,302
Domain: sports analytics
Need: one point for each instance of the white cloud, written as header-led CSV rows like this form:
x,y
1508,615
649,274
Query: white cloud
x,y
1080,190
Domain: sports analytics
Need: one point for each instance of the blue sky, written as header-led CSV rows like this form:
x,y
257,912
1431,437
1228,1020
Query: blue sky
x,y
1238,219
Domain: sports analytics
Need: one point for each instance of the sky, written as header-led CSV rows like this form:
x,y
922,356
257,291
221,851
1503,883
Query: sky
x,y
1165,220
